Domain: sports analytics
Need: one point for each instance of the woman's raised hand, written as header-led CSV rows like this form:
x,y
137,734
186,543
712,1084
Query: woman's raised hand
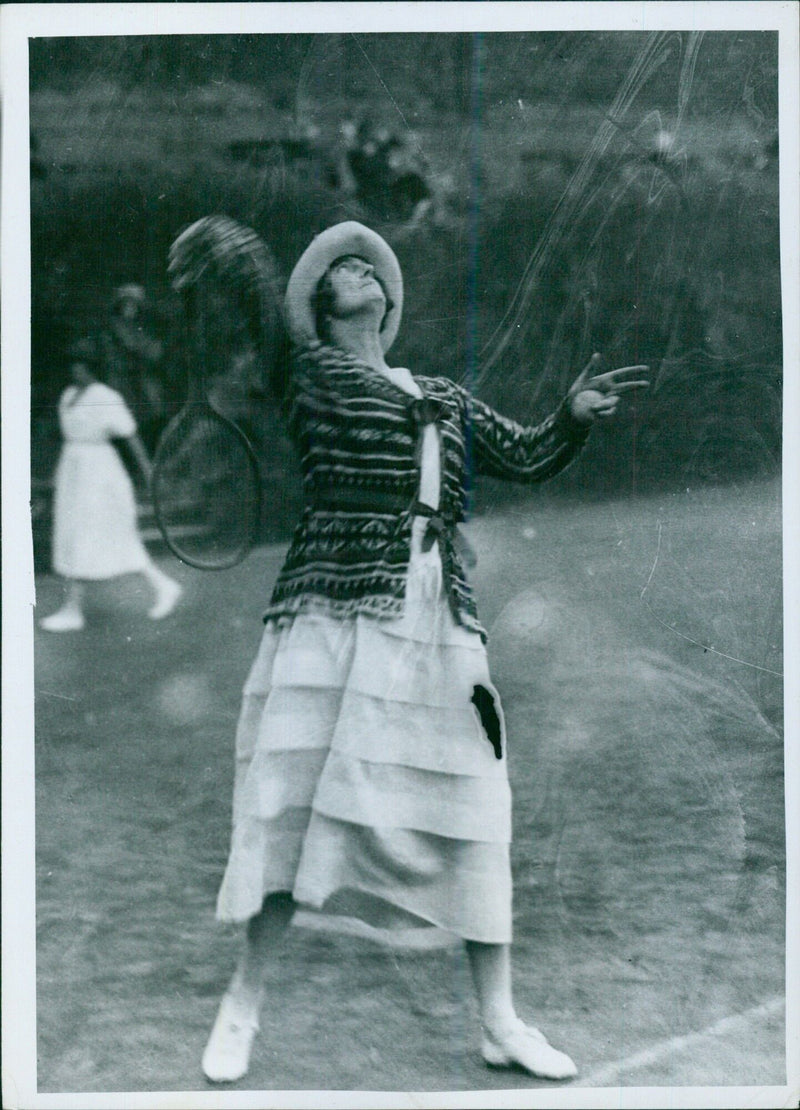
x,y
595,395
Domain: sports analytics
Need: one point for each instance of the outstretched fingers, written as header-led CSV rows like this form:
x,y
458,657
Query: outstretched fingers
x,y
619,380
623,387
589,371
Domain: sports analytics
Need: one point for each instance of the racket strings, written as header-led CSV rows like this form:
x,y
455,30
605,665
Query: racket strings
x,y
206,490
218,249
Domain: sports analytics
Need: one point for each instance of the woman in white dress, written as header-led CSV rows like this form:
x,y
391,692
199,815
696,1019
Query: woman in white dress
x,y
371,775
95,534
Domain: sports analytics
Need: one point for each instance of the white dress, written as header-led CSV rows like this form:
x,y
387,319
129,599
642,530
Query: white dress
x,y
365,782
95,533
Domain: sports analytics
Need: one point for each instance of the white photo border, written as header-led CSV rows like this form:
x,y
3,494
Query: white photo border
x,y
18,23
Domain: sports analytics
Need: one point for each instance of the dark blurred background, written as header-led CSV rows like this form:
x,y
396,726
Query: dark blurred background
x,y
548,195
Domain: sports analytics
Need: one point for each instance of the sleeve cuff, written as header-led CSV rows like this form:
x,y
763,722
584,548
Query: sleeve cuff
x,y
570,427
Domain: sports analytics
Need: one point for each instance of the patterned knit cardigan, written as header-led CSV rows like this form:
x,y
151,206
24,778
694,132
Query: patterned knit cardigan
x,y
359,438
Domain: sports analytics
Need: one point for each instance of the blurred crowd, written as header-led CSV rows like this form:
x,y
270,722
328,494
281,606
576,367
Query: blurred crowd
x,y
380,168
384,169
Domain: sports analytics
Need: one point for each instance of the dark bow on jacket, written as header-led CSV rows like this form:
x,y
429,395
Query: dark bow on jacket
x,y
424,410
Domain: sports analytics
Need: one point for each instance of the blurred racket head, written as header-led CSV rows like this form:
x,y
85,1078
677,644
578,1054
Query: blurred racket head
x,y
219,251
206,489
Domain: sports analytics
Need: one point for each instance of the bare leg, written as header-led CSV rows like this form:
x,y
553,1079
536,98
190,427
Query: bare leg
x,y
69,617
508,1041
264,931
227,1053
167,591
491,974
76,593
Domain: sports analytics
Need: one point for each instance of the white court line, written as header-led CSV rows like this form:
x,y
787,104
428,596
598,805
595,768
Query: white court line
x,y
606,1076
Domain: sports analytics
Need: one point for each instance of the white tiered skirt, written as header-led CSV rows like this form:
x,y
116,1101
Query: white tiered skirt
x,y
365,782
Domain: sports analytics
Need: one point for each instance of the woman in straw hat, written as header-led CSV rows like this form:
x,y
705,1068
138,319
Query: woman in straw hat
x,y
371,774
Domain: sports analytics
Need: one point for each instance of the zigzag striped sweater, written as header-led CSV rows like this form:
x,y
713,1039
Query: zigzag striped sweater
x,y
359,439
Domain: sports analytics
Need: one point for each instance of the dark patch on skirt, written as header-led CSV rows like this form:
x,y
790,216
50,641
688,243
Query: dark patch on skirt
x,y
483,701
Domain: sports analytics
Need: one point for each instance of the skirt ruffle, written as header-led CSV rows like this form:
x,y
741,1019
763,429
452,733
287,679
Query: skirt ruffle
x,y
365,781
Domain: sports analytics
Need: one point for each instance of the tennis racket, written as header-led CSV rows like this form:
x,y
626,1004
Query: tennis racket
x,y
216,249
206,484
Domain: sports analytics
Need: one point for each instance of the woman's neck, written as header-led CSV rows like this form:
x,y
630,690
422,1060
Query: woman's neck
x,y
364,343
82,383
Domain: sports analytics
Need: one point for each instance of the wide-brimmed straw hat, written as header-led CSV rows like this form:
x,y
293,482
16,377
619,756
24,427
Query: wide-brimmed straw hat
x,y
345,238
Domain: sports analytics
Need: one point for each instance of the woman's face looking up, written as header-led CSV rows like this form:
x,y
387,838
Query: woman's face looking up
x,y
354,286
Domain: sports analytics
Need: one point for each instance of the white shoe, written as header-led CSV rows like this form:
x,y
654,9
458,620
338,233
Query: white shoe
x,y
526,1047
168,597
227,1053
65,620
